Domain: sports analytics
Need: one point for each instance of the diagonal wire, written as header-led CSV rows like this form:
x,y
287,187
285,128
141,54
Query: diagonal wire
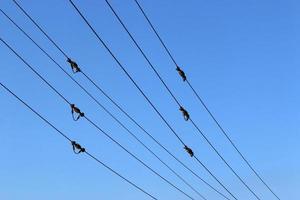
x,y
105,109
141,50
175,99
156,33
204,104
127,74
125,71
96,126
67,138
98,88
201,163
121,109
223,159
158,143
36,24
34,71
232,143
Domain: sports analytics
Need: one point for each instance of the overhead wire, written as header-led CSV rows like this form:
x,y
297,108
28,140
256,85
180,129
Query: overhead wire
x,y
38,26
103,107
131,118
131,79
163,147
95,125
186,115
204,104
125,71
67,138
129,76
119,107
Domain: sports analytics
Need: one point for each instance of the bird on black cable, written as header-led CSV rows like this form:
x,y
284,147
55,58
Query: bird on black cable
x,y
74,66
189,150
185,113
76,110
181,73
77,148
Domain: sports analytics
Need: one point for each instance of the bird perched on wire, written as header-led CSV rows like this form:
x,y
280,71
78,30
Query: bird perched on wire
x,y
74,66
189,150
181,73
77,148
77,111
185,113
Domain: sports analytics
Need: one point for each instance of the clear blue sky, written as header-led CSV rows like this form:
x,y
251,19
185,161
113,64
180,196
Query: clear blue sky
x,y
242,56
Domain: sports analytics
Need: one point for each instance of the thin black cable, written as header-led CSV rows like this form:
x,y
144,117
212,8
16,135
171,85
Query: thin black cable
x,y
66,137
35,112
20,7
105,95
96,159
142,52
156,33
105,109
202,164
223,159
204,104
230,140
102,43
39,74
125,71
155,140
43,31
34,71
97,127
158,75
171,93
107,135
139,141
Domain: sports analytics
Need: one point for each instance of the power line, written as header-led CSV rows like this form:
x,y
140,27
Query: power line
x,y
203,103
158,143
175,99
34,71
199,161
156,33
223,159
67,138
105,109
125,71
149,135
138,159
141,50
95,125
121,109
232,143
129,76
36,24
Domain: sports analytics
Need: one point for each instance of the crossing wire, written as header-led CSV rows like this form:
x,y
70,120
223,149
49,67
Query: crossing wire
x,y
128,74
176,100
104,108
204,104
94,124
67,138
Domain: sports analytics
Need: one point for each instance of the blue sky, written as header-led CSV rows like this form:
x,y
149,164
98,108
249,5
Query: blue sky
x,y
240,55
